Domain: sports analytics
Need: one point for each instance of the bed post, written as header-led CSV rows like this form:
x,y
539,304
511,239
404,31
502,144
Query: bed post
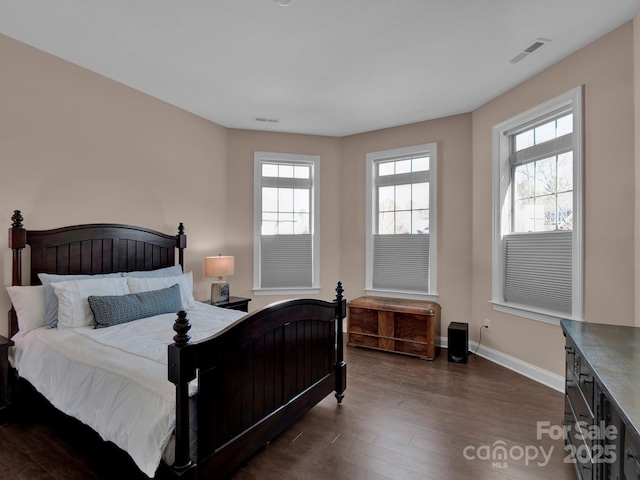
x,y
182,244
17,242
181,372
341,366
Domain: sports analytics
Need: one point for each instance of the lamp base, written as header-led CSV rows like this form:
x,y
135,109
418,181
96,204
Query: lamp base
x,y
219,292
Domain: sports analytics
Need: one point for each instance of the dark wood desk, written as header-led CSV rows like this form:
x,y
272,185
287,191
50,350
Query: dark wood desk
x,y
601,399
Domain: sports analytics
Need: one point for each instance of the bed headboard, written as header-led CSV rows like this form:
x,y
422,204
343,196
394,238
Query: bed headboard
x,y
90,249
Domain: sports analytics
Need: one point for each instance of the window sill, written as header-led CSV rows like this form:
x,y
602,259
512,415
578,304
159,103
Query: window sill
x,y
286,291
540,315
430,297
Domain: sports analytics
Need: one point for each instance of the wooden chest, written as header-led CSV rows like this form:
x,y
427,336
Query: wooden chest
x,y
394,325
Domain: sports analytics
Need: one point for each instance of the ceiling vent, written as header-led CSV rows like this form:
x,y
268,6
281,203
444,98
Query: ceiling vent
x,y
266,120
529,50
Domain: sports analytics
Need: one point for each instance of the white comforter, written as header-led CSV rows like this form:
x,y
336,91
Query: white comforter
x,y
115,379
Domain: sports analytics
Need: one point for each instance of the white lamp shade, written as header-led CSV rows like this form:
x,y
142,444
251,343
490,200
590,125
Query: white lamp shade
x,y
219,266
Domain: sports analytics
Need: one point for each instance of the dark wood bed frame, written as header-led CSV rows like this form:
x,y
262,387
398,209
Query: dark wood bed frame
x,y
255,378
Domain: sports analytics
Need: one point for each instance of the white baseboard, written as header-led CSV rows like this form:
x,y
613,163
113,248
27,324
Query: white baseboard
x,y
544,377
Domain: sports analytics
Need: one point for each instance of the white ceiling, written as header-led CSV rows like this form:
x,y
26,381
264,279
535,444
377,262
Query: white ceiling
x,y
327,67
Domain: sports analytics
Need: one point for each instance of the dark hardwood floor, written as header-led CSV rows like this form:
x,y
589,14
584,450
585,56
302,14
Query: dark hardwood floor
x,y
402,418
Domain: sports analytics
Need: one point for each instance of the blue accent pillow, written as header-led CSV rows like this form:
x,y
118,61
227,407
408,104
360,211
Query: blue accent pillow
x,y
50,299
112,310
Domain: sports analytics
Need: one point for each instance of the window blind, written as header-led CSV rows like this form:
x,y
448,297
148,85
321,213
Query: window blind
x,y
286,261
401,262
557,146
403,178
538,269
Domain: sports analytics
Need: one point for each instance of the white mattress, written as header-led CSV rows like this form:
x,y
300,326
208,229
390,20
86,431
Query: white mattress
x,y
115,379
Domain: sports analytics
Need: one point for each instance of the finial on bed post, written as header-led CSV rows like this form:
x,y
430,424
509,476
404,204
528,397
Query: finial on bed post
x,y
181,326
341,366
17,219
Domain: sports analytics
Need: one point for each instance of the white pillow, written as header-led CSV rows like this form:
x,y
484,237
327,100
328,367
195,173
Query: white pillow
x,y
29,305
137,285
73,306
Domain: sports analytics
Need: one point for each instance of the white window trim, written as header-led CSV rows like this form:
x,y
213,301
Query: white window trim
x,y
501,216
371,158
314,161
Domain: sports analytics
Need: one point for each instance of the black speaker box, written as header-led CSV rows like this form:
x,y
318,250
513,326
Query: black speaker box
x,y
458,340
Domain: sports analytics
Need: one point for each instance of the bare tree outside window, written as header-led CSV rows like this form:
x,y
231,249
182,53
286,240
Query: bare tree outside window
x,y
543,189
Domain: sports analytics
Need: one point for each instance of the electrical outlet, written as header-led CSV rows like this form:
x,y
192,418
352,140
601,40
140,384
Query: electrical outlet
x,y
487,324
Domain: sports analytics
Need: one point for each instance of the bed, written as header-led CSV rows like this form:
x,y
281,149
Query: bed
x,y
227,386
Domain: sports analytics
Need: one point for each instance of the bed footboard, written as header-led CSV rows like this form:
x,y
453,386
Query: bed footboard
x,y
255,379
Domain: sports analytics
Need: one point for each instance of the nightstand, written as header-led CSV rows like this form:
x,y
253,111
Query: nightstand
x,y
5,397
234,303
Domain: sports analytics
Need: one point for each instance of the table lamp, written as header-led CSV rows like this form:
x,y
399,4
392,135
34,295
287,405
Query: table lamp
x,y
220,266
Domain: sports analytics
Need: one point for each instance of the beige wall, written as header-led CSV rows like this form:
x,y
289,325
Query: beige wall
x,y
239,221
605,68
343,205
69,134
636,133
453,136
78,148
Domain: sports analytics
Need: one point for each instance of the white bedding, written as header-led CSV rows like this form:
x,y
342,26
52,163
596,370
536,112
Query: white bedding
x,y
115,379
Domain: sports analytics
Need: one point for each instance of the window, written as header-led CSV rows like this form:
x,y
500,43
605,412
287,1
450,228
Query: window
x,y
401,224
537,258
286,246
